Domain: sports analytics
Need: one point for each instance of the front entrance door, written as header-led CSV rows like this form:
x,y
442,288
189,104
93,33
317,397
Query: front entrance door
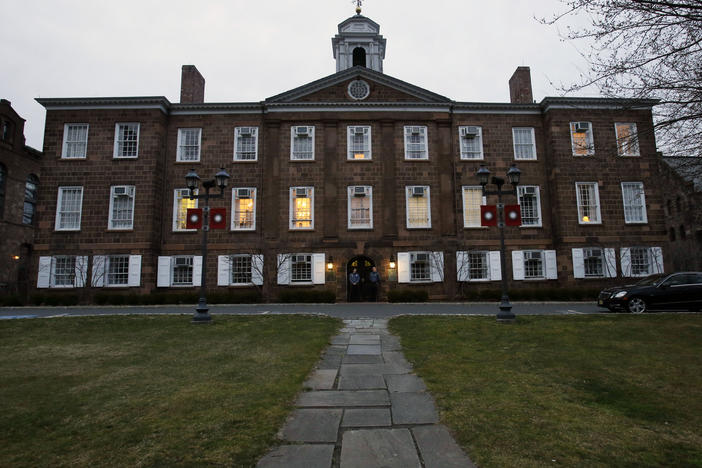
x,y
365,291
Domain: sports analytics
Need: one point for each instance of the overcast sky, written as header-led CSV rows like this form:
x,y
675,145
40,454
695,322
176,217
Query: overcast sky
x,y
250,50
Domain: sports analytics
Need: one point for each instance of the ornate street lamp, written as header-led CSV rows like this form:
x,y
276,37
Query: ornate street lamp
x,y
513,174
193,181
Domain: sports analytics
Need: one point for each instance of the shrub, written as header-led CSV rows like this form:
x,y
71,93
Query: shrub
x,y
408,295
307,296
11,300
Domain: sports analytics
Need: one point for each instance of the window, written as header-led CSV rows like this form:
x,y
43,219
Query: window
x,y
524,143
581,138
245,144
63,271
188,144
588,202
126,140
121,207
534,264
301,268
417,202
477,265
360,207
243,209
472,199
116,271
6,131
416,143
530,204
627,139
359,143
634,202
301,207
240,270
179,270
3,183
181,203
641,261
30,199
594,262
302,143
68,208
420,268
182,271
471,142
75,141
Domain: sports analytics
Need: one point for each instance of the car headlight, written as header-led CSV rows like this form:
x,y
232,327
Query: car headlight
x,y
620,294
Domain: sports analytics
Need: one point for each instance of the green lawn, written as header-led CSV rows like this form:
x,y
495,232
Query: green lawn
x,y
150,391
595,391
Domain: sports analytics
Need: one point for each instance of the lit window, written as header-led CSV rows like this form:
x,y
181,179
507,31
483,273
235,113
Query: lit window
x,y
181,203
471,142
581,138
121,207
359,142
524,143
533,264
30,199
246,144
301,143
244,208
126,140
360,207
68,208
417,202
301,207
416,143
472,199
627,139
75,141
634,202
588,202
188,144
530,204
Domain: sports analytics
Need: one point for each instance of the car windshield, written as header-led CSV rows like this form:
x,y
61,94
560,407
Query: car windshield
x,y
653,279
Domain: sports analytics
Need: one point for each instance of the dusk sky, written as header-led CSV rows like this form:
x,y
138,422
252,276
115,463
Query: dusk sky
x,y
248,51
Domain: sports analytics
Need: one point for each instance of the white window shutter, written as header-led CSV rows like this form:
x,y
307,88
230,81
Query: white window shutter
x,y
437,267
223,270
134,278
578,263
318,268
657,257
495,266
610,263
197,270
257,269
283,268
98,276
462,266
81,271
518,265
551,265
163,276
625,260
44,273
403,267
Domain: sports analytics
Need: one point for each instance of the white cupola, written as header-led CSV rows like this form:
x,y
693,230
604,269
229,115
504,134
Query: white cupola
x,y
359,43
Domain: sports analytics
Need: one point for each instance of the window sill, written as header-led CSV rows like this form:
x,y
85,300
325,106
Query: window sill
x,y
590,224
188,162
424,160
245,160
418,228
583,155
635,223
125,157
527,160
119,230
184,231
535,226
301,230
359,160
302,160
83,158
365,228
67,230
482,158
253,229
476,227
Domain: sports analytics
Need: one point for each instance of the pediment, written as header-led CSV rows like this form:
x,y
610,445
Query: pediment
x,y
359,24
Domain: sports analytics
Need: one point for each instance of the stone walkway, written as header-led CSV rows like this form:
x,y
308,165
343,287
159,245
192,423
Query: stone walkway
x,y
365,408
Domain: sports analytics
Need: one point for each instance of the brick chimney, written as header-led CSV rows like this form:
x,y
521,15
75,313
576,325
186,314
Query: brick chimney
x,y
192,86
520,86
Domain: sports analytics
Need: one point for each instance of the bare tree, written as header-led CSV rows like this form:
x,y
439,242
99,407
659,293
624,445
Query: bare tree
x,y
646,49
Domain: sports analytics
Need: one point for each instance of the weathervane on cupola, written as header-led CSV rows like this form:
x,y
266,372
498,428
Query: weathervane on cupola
x,y
359,43
358,3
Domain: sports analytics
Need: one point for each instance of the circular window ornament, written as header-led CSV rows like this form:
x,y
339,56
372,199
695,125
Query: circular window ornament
x,y
359,89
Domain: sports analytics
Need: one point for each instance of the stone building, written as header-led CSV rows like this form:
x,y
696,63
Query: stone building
x,y
19,179
355,170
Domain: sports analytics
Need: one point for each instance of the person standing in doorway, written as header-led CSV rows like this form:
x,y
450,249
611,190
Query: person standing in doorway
x,y
374,279
355,281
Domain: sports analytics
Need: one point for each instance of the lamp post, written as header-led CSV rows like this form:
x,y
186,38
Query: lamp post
x,y
505,314
193,180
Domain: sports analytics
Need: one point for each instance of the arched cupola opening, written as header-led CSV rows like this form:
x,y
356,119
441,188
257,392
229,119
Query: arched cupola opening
x,y
359,56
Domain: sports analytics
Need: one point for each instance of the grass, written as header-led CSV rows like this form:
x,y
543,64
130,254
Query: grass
x,y
595,391
150,391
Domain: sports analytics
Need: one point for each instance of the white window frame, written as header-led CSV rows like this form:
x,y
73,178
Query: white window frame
x,y
423,133
462,139
408,194
295,137
627,219
66,142
596,193
101,268
350,196
178,194
46,277
235,198
237,135
483,201
655,261
589,140
182,132
492,259
59,212
284,265
131,193
116,153
628,141
367,143
291,216
404,267
224,270
548,262
533,144
520,194
609,263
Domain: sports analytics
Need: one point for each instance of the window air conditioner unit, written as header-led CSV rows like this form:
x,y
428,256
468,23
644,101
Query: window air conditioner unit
x,y
417,191
529,191
532,256
245,131
359,130
469,132
181,261
592,253
120,190
582,127
301,192
243,193
421,257
415,130
300,258
302,131
359,191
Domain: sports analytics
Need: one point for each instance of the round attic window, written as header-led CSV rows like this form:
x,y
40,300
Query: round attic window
x,y
359,89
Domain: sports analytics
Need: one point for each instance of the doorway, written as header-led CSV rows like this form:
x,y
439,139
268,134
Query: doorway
x,y
365,291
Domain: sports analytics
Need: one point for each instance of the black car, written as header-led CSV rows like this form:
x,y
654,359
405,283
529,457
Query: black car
x,y
665,291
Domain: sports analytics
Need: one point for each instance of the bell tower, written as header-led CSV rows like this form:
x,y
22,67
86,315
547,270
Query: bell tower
x,y
359,43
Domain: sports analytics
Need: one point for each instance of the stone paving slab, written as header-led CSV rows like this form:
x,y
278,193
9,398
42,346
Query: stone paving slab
x,y
362,359
312,425
386,448
321,379
362,382
342,339
344,398
358,339
406,383
397,358
363,349
384,369
366,417
413,408
299,456
438,448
